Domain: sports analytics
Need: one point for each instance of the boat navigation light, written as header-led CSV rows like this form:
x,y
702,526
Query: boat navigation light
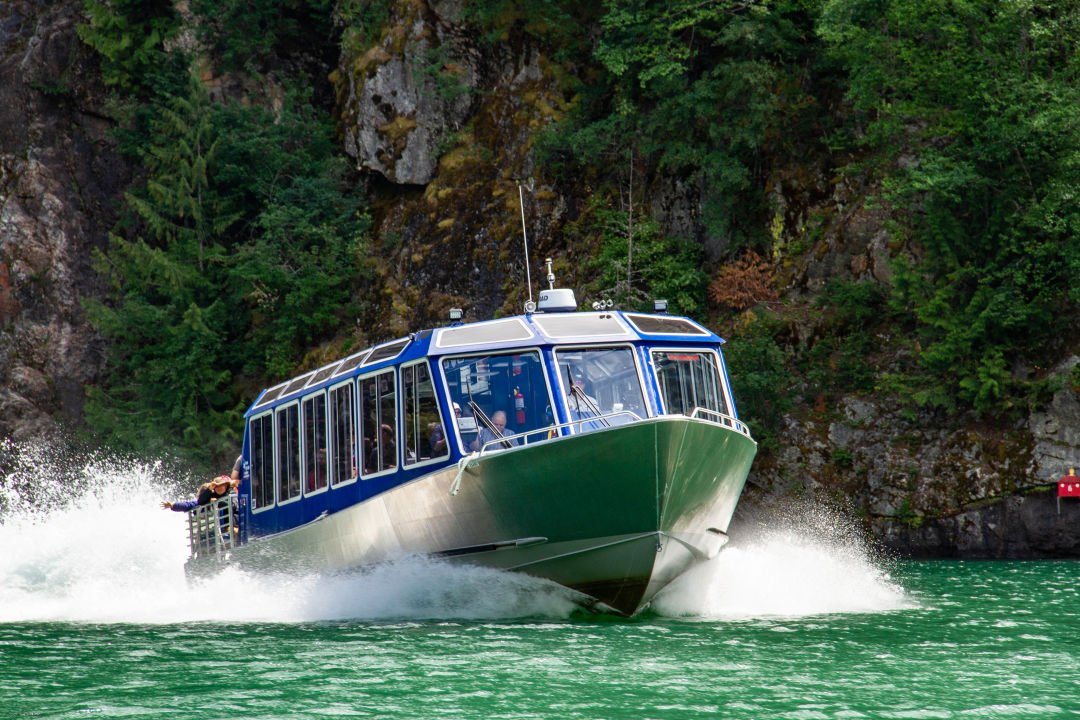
x,y
455,316
660,306
550,275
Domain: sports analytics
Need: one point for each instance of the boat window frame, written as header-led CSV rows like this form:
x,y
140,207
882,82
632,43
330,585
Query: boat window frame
x,y
303,442
721,371
331,457
256,509
642,385
284,408
538,349
392,371
438,408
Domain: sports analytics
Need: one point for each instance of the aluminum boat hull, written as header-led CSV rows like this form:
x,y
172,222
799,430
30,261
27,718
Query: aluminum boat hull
x,y
614,514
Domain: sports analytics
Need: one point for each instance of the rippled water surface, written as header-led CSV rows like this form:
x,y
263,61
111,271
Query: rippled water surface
x,y
96,620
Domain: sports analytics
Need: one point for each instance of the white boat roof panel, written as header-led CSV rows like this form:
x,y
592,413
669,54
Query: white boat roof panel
x,y
387,351
297,384
271,395
352,362
495,331
581,325
659,325
324,373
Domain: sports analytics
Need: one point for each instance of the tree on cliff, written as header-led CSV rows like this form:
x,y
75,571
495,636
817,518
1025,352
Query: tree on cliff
x,y
244,246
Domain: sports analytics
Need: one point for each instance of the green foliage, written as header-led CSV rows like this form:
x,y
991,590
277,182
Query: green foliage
x,y
244,247
364,22
842,457
248,34
129,35
760,380
840,358
444,75
662,266
697,89
561,21
986,94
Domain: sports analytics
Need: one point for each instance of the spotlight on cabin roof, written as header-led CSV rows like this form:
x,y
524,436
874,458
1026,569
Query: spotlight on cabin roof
x,y
455,316
660,306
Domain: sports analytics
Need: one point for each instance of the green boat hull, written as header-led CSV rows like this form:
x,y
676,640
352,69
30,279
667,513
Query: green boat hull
x,y
614,514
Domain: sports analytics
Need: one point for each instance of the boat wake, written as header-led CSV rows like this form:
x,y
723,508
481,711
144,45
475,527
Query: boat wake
x,y
86,541
812,562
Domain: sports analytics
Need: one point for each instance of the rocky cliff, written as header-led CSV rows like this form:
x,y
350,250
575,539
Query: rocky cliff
x,y
60,181
444,127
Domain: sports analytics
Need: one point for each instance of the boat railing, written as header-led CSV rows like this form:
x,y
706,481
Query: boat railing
x,y
212,529
702,413
549,432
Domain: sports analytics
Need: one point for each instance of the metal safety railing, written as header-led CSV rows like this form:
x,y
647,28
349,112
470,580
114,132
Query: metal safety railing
x,y
212,529
720,419
601,421
549,432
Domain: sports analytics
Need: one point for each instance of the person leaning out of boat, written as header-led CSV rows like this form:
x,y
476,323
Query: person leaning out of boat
x,y
216,489
498,419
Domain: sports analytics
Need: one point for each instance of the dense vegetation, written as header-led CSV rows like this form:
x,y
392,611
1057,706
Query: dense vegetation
x,y
242,249
956,120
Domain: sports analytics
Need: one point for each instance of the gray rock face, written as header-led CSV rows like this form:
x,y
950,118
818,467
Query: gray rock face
x,y
1056,429
402,97
933,490
1021,526
58,176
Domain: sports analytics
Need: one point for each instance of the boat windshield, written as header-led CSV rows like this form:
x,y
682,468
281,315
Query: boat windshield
x,y
509,389
689,379
606,381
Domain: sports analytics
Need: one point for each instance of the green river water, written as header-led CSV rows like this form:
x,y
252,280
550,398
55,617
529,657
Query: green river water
x,y
97,621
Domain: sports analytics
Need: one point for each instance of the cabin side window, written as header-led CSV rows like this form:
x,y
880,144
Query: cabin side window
x,y
689,379
315,463
261,447
424,436
378,419
600,381
509,391
288,452
342,435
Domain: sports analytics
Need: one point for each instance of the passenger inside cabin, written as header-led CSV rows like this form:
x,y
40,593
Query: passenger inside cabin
x,y
389,452
317,473
578,402
498,419
438,435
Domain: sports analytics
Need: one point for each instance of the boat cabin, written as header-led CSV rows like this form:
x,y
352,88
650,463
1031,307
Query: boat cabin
x,y
387,415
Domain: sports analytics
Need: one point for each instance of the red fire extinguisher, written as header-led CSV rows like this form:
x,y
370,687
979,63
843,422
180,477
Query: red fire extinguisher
x,y
519,406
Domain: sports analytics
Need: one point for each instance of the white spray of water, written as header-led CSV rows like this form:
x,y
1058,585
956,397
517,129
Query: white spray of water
x,y
811,562
91,544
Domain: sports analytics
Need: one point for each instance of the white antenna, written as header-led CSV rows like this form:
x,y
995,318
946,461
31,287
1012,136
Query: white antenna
x,y
530,305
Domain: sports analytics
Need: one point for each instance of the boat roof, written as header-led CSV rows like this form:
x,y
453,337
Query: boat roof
x,y
531,330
